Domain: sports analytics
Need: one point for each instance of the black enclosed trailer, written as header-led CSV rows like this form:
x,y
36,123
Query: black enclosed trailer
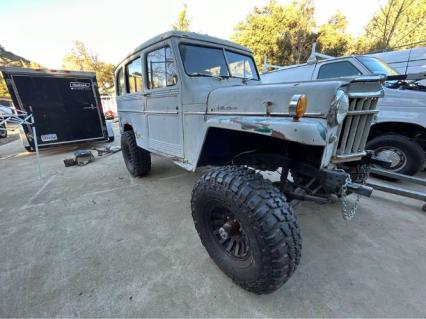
x,y
65,106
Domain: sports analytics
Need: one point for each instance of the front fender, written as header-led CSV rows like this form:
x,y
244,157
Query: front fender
x,y
408,115
304,131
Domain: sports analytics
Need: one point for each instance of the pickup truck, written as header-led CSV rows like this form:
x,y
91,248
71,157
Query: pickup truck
x,y
398,134
199,101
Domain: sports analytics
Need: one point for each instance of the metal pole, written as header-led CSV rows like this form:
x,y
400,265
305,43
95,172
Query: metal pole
x,y
36,147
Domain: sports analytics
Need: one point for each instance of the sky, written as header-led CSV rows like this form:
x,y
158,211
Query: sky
x,y
43,30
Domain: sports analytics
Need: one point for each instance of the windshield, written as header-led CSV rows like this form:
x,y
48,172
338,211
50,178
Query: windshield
x,y
208,61
377,66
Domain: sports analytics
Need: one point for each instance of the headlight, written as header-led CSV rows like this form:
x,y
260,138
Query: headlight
x,y
339,108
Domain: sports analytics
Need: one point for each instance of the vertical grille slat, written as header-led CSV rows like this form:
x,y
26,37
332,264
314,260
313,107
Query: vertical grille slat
x,y
370,118
356,127
361,127
347,125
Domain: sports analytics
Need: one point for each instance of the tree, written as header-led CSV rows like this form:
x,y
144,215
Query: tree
x,y
281,32
3,89
183,22
396,25
81,59
332,38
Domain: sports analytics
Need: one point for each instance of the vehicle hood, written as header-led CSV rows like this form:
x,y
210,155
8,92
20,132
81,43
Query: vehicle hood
x,y
403,98
274,99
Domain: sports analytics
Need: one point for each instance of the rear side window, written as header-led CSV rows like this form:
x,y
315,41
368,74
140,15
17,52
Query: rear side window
x,y
161,68
120,84
337,69
134,76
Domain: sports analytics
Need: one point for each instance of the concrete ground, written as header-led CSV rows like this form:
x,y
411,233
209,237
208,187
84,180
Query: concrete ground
x,y
93,241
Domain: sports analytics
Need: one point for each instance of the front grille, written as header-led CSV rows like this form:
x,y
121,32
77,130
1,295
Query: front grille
x,y
356,127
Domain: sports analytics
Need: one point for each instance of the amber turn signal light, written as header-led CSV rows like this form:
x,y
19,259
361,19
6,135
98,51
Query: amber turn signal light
x,y
297,106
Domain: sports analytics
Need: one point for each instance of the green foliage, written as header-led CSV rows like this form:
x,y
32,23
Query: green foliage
x,y
332,36
282,32
3,88
81,59
183,22
396,25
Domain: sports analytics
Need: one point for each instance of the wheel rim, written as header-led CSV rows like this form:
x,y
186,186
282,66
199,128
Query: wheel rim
x,y
393,154
228,233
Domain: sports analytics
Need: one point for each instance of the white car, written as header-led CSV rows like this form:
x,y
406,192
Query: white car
x,y
4,110
398,134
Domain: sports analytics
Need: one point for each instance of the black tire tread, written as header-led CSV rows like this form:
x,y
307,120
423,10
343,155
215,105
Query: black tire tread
x,y
141,158
270,217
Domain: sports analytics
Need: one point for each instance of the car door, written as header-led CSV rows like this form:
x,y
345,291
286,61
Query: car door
x,y
163,102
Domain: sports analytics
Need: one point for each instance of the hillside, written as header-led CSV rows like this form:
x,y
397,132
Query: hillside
x,y
8,58
11,59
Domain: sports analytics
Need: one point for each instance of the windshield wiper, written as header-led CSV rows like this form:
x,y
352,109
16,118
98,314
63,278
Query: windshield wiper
x,y
220,77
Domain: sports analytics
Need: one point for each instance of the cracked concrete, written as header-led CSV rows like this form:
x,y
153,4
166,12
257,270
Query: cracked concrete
x,y
92,241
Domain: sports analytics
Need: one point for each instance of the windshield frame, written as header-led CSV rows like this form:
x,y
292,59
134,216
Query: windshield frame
x,y
380,61
223,49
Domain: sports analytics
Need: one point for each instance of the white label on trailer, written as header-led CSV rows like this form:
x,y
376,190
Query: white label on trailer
x,y
49,137
80,85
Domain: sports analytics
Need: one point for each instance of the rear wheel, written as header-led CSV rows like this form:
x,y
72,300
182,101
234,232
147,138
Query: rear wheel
x,y
407,157
138,160
247,228
3,131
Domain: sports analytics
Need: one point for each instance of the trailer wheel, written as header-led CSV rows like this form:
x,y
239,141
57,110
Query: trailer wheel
x,y
138,160
407,157
247,228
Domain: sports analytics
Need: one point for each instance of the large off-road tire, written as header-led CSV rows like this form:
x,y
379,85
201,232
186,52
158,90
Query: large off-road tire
x,y
247,227
406,155
138,160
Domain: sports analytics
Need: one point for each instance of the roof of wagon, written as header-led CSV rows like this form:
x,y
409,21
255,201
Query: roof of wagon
x,y
190,36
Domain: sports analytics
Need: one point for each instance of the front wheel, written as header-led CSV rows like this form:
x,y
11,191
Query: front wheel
x,y
406,156
247,228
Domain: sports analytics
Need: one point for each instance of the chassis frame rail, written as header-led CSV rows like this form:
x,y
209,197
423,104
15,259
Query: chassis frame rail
x,y
400,190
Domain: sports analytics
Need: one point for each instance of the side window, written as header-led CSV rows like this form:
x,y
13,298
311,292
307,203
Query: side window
x,y
337,69
134,76
119,82
161,68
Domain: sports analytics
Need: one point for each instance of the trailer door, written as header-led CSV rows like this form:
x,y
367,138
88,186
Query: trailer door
x,y
64,108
